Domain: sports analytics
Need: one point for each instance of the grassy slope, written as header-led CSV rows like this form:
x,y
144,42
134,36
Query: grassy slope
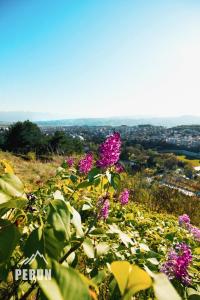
x,y
193,162
32,173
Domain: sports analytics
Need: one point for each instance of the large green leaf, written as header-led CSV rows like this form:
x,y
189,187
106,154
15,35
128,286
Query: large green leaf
x,y
88,248
46,242
76,221
11,192
130,278
59,219
9,237
163,288
66,283
36,242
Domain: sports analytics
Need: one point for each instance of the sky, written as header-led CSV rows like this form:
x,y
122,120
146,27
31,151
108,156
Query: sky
x,y
100,58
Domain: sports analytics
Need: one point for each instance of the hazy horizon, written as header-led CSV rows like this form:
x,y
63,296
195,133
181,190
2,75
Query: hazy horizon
x,y
100,58
59,116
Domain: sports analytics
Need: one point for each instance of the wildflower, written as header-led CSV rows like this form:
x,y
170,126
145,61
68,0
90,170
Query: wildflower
x,y
104,206
179,259
124,197
184,220
119,168
85,164
69,161
109,151
195,232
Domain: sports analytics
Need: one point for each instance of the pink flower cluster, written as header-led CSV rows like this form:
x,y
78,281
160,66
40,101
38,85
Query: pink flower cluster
x,y
184,221
124,197
176,266
85,164
109,151
104,206
195,232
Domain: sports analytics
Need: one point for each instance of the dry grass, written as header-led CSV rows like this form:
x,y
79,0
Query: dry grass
x,y
33,173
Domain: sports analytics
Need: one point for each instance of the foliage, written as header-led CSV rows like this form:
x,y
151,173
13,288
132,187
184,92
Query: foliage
x,y
92,255
27,138
23,137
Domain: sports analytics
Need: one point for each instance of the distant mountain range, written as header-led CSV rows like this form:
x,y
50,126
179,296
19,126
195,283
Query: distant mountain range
x,y
129,121
46,119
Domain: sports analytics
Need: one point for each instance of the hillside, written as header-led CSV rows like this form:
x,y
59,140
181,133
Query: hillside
x,y
91,223
33,173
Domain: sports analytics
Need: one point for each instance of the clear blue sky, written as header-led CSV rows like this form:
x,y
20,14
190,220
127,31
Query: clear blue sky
x,y
100,57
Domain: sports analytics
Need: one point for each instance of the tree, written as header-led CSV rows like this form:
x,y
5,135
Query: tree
x,y
23,137
2,139
61,143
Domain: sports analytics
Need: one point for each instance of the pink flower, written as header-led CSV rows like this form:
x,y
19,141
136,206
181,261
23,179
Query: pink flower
x,y
85,164
184,220
109,151
104,206
176,266
124,197
69,161
195,232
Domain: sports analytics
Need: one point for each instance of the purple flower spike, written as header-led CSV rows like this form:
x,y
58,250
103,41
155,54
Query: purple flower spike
x,y
176,266
124,197
85,164
104,206
109,151
184,220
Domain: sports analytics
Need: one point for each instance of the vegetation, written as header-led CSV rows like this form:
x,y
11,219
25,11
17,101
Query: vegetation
x,y
98,241
33,173
193,162
26,137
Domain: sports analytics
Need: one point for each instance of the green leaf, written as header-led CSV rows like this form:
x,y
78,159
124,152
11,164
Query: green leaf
x,y
115,180
66,283
130,278
93,174
59,219
193,294
153,261
73,178
45,241
194,297
76,221
163,288
126,240
102,248
84,184
109,176
9,237
11,192
101,275
88,248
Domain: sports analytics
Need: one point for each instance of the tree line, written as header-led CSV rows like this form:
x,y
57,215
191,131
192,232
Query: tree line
x,y
25,137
